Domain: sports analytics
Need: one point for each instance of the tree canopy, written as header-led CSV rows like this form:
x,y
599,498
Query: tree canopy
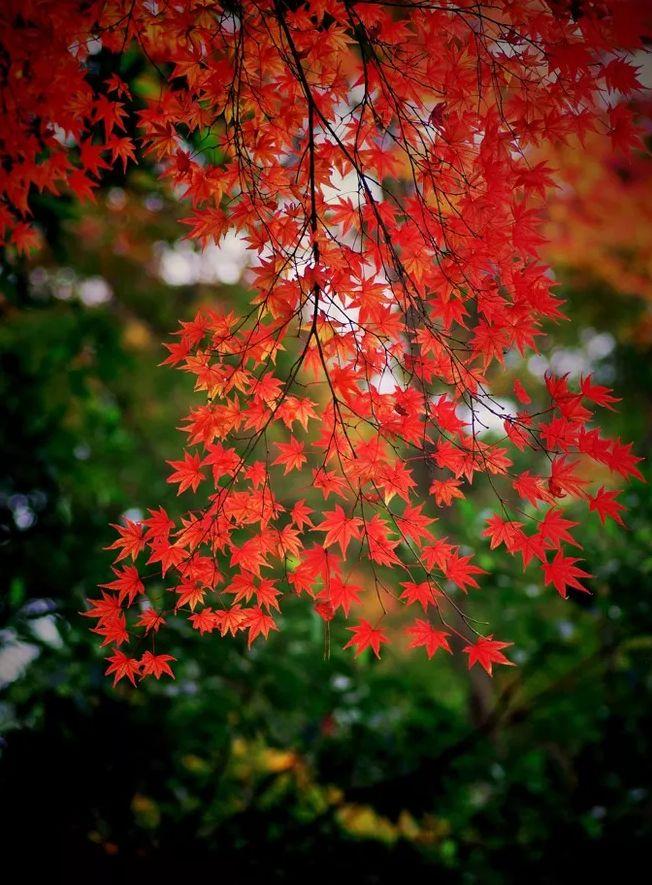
x,y
378,162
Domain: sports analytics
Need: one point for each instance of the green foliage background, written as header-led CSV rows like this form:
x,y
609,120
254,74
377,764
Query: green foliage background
x,y
276,764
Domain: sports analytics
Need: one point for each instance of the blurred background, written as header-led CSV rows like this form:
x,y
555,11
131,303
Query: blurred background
x,y
277,763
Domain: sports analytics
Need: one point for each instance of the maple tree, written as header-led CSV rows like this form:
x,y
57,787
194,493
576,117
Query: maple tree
x,y
377,158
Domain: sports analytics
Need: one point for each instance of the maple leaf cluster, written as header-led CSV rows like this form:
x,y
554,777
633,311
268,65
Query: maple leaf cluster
x,y
58,129
377,160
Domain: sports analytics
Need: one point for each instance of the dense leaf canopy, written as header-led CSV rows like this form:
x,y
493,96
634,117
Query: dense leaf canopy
x,y
379,161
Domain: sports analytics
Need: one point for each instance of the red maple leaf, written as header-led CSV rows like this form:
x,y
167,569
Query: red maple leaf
x,y
487,651
365,636
424,593
292,456
151,620
562,573
156,665
460,570
598,393
127,583
340,594
257,622
187,472
121,666
131,540
424,635
605,505
205,620
339,528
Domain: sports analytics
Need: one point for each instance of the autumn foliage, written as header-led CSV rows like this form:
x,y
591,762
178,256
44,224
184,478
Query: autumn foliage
x,y
601,217
378,160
